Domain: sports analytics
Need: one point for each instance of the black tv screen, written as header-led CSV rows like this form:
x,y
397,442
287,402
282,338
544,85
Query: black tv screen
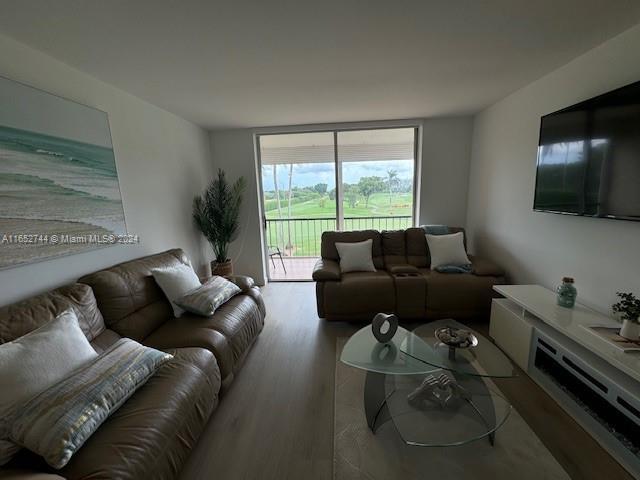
x,y
589,157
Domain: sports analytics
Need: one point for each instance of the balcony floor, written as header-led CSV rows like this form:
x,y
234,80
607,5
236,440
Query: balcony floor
x,y
297,268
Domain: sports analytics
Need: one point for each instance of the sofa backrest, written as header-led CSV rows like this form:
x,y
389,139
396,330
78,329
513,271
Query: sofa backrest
x,y
417,250
22,317
328,244
394,247
131,302
390,247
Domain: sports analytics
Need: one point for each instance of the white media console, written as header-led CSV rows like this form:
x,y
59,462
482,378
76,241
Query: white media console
x,y
595,382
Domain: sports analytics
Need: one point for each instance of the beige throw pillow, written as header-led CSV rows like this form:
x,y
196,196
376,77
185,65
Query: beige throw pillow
x,y
175,282
356,256
447,250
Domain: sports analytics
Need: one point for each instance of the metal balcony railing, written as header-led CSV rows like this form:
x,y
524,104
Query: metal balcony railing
x,y
300,237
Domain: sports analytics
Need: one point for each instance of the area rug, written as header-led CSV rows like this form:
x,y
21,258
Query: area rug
x,y
360,454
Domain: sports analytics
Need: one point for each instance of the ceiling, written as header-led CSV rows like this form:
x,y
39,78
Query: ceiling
x,y
246,63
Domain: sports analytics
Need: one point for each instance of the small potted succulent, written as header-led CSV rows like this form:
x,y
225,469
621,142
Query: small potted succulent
x,y
628,309
216,214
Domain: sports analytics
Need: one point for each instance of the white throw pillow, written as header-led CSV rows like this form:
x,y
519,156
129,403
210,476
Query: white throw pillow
x,y
175,282
356,256
447,250
36,361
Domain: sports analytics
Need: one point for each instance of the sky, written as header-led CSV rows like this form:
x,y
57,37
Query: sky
x,y
307,175
28,108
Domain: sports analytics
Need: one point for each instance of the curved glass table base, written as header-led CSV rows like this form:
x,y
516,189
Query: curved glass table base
x,y
430,405
429,423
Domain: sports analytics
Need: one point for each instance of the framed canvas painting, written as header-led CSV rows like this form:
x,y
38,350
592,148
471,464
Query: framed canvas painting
x,y
59,189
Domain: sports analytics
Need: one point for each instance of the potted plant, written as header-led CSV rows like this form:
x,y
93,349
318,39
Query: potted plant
x,y
628,309
216,213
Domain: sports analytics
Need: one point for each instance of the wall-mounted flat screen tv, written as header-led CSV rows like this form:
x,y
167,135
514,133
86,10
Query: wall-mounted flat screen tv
x,y
589,157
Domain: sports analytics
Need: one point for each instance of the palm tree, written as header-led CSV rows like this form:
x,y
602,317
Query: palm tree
x,y
289,209
392,179
279,232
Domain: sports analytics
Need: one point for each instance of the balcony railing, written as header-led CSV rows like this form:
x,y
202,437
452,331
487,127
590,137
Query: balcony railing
x,y
300,237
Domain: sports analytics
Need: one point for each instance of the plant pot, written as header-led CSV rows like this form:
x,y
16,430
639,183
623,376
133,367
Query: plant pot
x,y
630,330
222,269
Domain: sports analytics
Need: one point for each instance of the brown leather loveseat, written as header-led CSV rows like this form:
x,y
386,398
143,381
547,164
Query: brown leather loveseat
x,y
403,283
152,433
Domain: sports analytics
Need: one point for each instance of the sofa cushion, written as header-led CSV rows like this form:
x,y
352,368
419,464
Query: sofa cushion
x,y
328,244
105,340
176,333
22,317
394,248
152,434
360,293
129,298
228,333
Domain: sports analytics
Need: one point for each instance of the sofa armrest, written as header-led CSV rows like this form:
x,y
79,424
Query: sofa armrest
x,y
326,270
249,287
398,269
485,268
244,282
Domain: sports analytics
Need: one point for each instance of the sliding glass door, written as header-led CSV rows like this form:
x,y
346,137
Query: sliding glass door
x,y
332,180
378,170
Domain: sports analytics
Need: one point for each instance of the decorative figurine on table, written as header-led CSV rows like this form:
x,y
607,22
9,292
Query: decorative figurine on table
x,y
440,390
567,293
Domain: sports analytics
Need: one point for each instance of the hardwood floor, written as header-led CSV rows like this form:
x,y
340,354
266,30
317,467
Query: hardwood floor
x,y
276,419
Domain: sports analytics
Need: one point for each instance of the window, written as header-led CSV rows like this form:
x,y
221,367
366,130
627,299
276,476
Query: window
x,y
327,180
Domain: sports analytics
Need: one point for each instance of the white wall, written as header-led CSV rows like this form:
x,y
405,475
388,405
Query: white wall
x,y
233,151
162,162
443,194
446,152
541,247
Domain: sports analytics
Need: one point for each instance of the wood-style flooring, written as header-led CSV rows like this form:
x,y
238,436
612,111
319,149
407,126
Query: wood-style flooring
x,y
276,419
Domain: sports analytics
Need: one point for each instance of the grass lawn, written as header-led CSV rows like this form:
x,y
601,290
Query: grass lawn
x,y
305,234
379,206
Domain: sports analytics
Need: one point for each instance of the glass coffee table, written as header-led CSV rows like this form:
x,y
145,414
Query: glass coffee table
x,y
433,396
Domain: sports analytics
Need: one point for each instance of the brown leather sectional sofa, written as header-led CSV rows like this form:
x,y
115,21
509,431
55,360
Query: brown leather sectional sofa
x,y
403,283
151,435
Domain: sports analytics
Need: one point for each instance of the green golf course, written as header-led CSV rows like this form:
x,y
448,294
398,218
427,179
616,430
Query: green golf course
x,y
312,213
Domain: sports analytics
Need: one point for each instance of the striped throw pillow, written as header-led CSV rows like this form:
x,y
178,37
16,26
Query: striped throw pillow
x,y
206,299
57,422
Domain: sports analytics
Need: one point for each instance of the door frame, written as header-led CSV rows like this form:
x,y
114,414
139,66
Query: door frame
x,y
335,128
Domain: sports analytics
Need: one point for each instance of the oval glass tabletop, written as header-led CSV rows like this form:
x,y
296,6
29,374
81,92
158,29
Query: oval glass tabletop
x,y
363,351
484,360
470,409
